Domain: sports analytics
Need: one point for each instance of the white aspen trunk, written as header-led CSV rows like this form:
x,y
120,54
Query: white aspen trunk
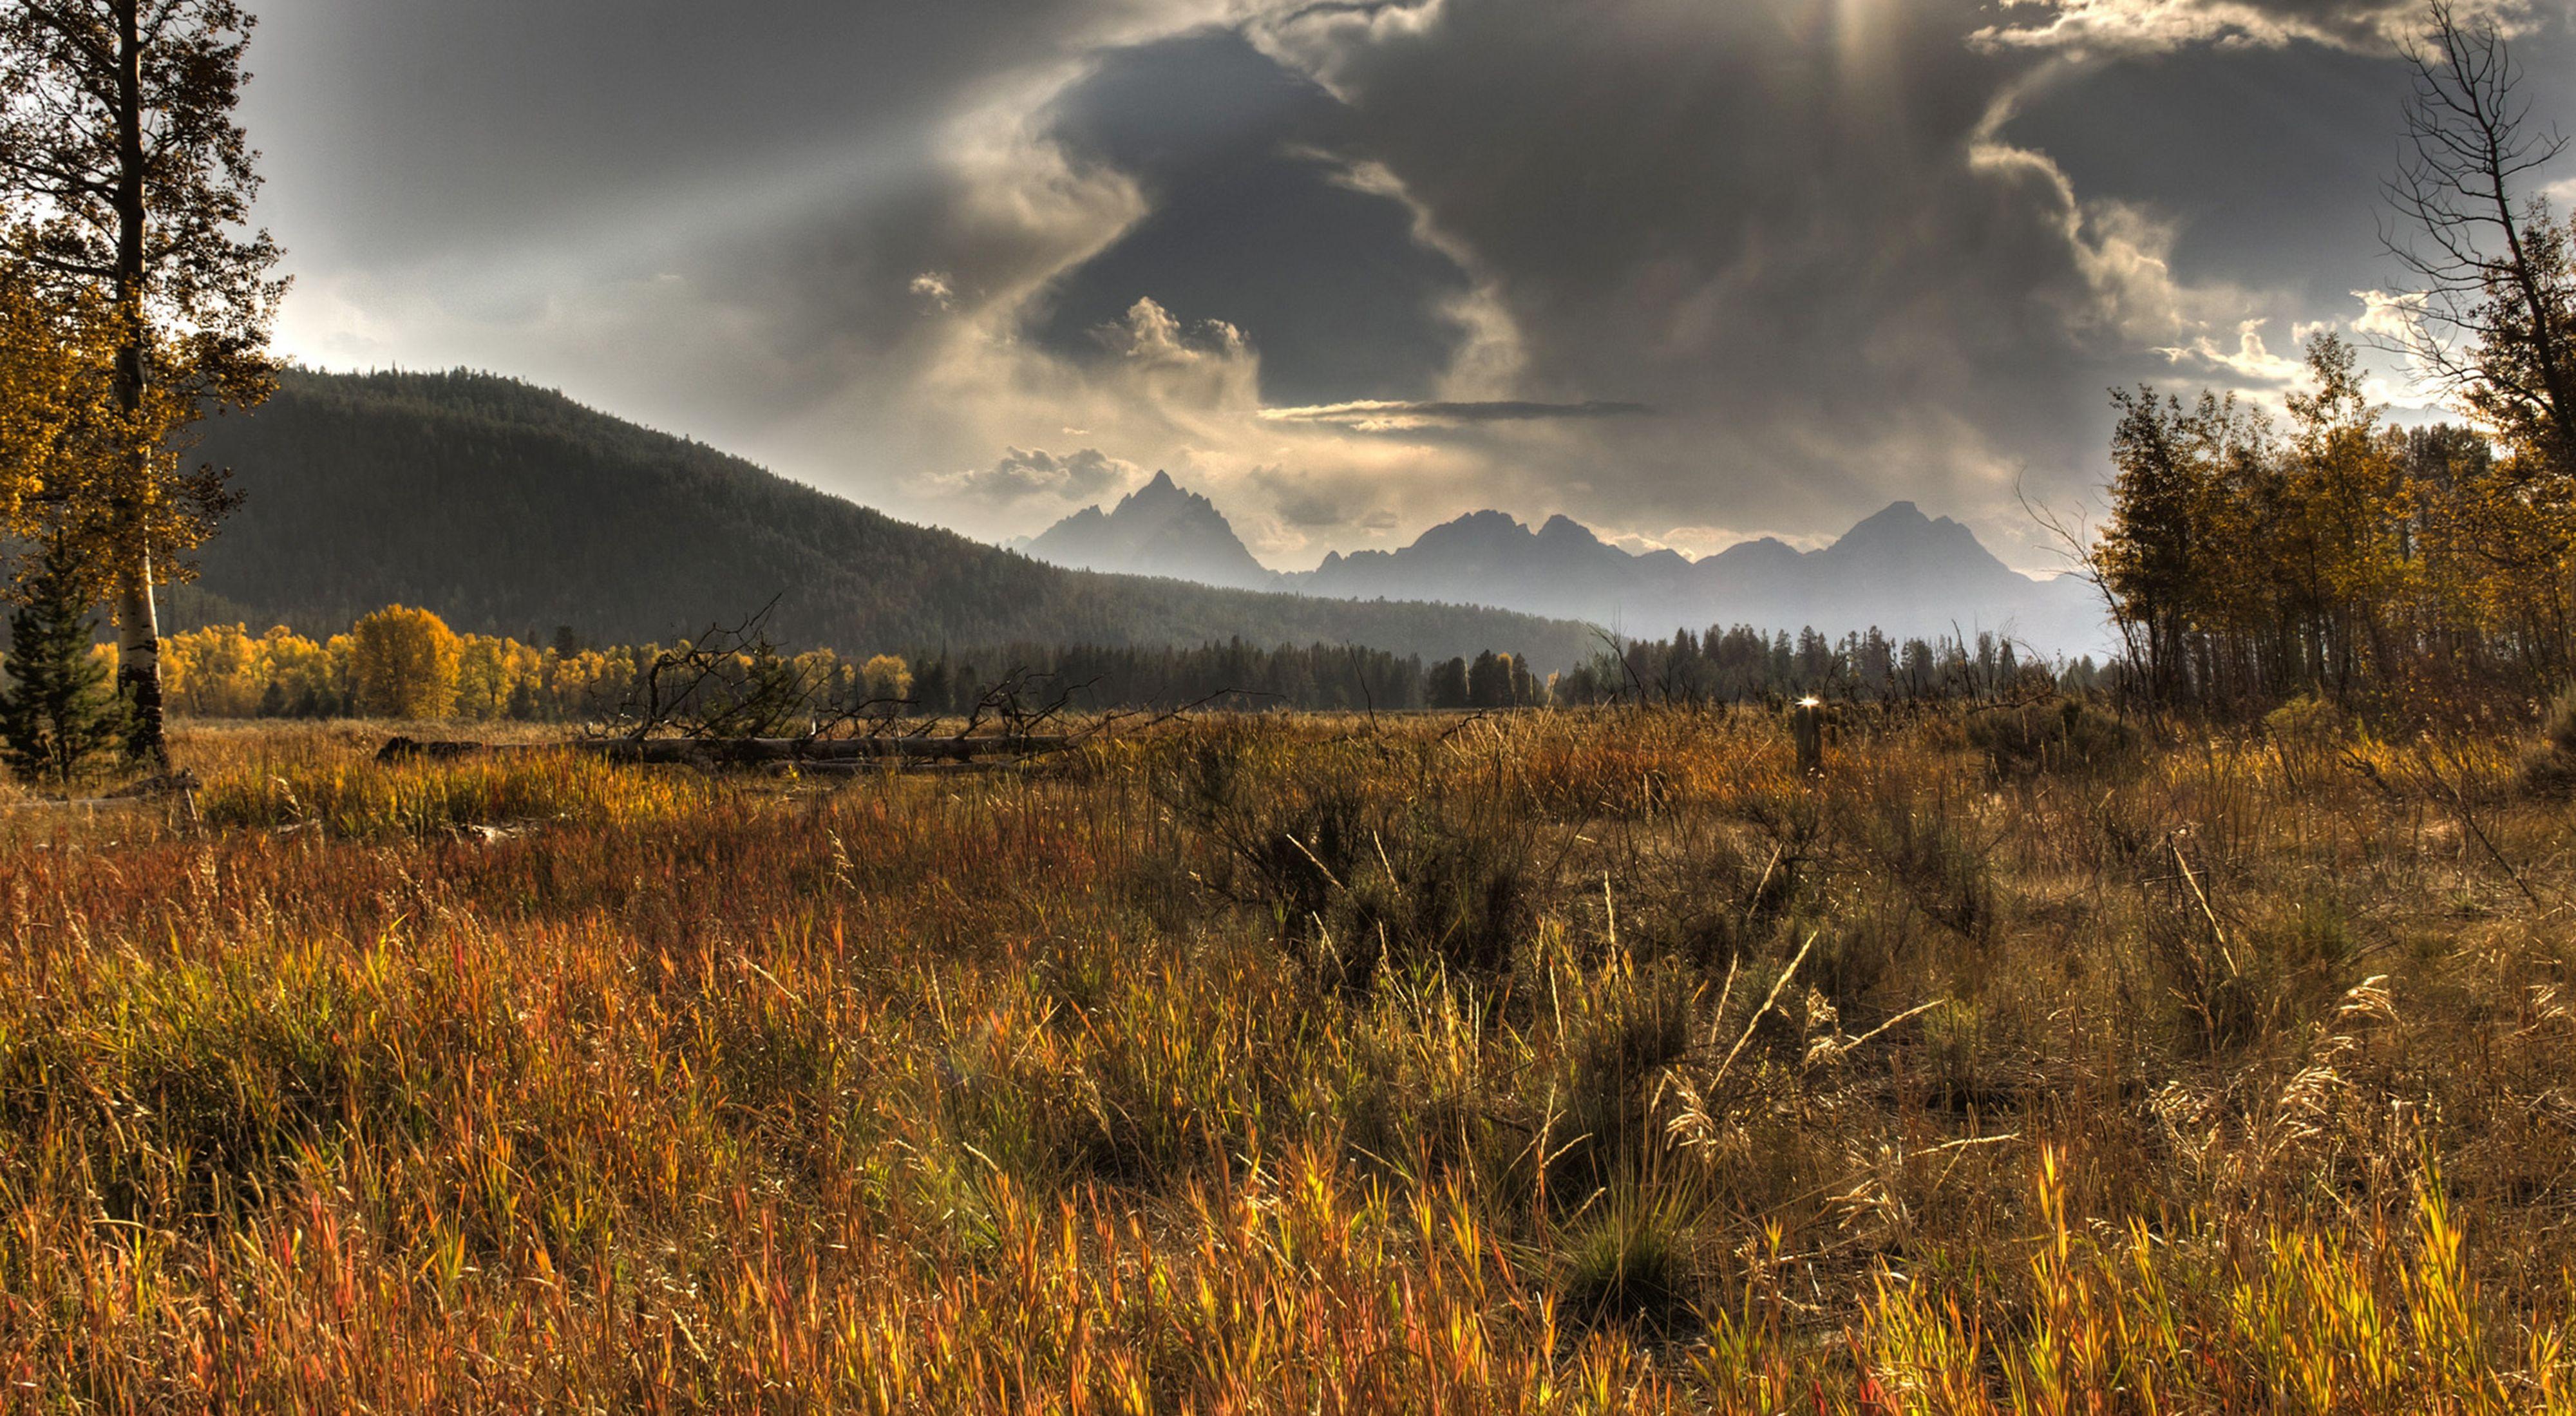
x,y
138,660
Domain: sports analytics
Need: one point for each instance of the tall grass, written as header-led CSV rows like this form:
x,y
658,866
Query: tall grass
x,y
1557,1062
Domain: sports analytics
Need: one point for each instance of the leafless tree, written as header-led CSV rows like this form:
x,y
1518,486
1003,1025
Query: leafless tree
x,y
2492,314
727,683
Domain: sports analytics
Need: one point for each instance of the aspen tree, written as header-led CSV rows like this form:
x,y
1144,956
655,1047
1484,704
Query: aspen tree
x,y
125,182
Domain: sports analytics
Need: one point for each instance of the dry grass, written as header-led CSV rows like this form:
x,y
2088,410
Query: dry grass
x,y
1552,1062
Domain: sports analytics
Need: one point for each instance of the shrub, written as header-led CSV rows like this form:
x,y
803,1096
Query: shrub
x,y
2069,736
1630,1264
1354,882
1630,1023
2549,764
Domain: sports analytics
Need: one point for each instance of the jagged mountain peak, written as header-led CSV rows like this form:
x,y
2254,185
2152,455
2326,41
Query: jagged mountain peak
x,y
1902,530
1161,528
1562,527
1486,522
1162,489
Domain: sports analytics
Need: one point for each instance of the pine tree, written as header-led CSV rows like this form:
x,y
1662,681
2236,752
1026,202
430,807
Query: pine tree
x,y
1448,685
57,714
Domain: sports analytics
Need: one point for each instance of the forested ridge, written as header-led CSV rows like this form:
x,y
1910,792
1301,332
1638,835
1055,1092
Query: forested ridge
x,y
511,509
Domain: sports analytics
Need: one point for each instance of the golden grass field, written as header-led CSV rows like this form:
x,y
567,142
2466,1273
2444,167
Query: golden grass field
x,y
1552,1061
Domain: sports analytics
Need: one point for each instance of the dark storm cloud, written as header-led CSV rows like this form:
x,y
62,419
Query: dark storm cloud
x,y
1832,238
707,218
2269,160
1252,221
1785,223
1847,250
2297,211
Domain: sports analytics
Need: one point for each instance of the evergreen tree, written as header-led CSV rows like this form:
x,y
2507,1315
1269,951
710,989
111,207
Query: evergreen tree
x,y
1489,682
57,714
1448,685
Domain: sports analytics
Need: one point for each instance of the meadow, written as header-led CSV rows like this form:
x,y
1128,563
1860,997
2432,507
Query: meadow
x,y
2024,1058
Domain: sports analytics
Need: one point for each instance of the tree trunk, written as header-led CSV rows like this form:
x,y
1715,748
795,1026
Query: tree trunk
x,y
138,627
138,662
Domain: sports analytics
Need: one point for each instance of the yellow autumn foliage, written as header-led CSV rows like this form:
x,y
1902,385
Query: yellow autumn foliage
x,y
404,664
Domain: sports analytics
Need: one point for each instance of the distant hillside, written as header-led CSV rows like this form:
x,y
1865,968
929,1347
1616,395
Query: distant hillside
x,y
1157,529
511,509
1910,575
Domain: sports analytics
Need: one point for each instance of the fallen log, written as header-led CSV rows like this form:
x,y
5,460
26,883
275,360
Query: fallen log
x,y
744,752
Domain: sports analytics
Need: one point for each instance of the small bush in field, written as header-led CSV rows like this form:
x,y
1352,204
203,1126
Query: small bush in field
x,y
2069,735
2305,721
1632,1022
1449,896
2549,763
1631,1263
1360,882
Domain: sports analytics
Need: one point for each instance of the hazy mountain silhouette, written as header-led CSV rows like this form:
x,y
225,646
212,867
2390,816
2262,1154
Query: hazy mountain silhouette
x,y
1908,574
1901,571
1158,529
511,509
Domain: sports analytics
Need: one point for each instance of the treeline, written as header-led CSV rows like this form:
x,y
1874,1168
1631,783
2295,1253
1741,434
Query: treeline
x,y
402,662
1746,665
2334,553
1229,675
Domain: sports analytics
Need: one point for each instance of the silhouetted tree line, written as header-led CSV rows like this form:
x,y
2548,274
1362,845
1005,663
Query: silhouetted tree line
x,y
1490,680
1744,665
1230,675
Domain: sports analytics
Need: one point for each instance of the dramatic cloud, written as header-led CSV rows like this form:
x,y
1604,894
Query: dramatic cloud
x,y
2151,26
1350,269
2251,359
1382,415
1076,476
1253,219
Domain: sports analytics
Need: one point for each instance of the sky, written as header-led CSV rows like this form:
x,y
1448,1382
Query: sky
x,y
1688,271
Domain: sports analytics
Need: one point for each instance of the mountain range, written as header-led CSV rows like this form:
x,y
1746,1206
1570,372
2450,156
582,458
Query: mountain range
x,y
511,509
1900,571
